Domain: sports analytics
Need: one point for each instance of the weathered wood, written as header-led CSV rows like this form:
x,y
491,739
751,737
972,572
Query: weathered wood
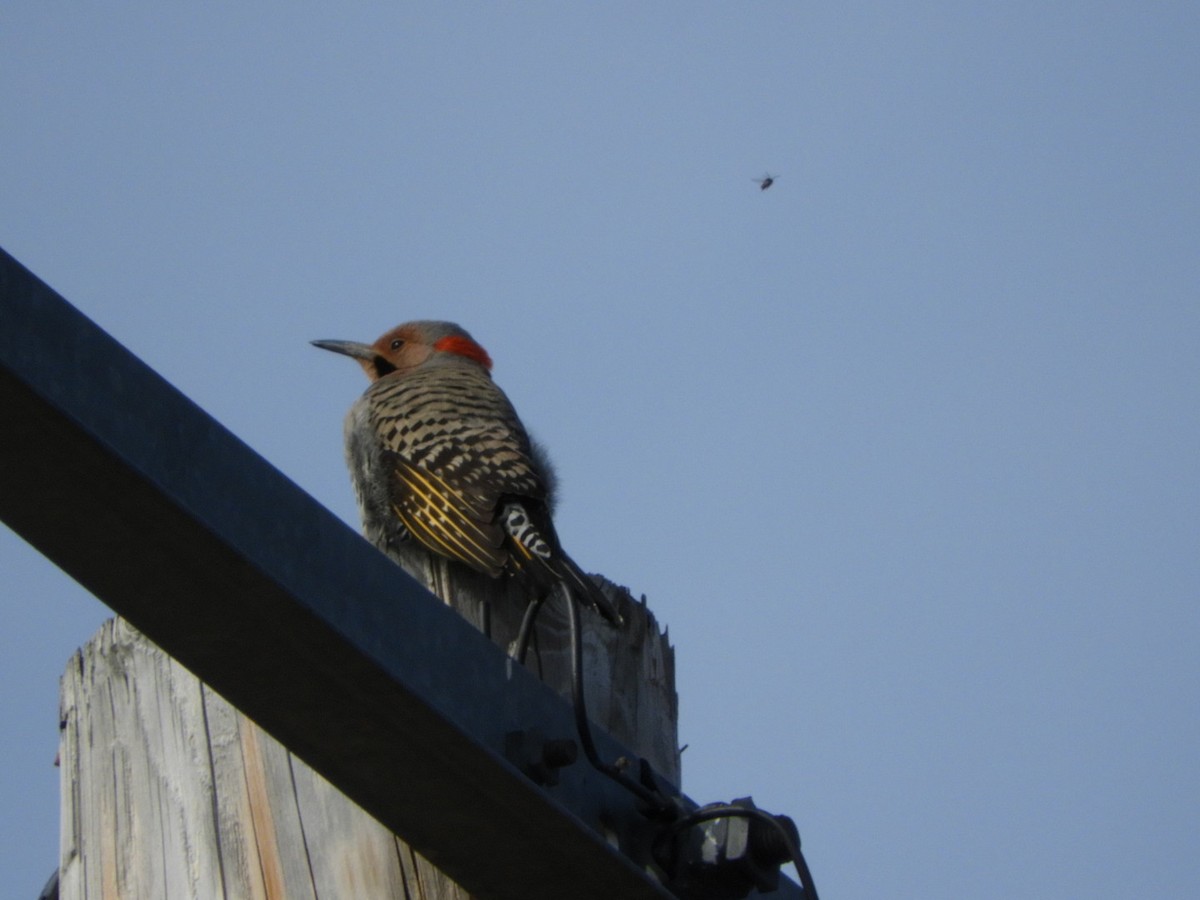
x,y
629,671
137,780
169,792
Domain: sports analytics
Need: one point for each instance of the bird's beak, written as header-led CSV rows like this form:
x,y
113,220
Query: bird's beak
x,y
348,348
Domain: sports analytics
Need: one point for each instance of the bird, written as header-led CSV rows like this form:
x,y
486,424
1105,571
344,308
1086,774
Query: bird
x,y
438,455
765,182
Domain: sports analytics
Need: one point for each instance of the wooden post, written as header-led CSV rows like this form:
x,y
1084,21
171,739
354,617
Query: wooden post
x,y
169,792
629,671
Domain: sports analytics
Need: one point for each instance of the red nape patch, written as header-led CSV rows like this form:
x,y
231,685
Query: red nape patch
x,y
464,347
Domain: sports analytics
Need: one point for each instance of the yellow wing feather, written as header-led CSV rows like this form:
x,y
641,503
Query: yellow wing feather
x,y
441,519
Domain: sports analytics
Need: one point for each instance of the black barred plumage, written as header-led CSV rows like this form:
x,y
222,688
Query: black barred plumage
x,y
525,533
438,455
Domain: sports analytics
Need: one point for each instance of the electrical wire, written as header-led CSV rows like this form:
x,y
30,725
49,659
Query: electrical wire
x,y
660,804
525,633
656,800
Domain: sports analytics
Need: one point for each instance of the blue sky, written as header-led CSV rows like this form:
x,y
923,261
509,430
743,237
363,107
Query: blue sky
x,y
903,450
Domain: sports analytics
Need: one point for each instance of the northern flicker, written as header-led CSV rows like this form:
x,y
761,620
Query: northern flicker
x,y
438,455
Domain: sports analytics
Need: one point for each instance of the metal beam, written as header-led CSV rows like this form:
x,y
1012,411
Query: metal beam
x,y
169,519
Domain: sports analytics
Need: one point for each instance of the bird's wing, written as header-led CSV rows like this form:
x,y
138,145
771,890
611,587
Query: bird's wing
x,y
444,519
453,446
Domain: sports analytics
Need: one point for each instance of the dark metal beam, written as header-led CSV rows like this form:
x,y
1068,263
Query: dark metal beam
x,y
178,526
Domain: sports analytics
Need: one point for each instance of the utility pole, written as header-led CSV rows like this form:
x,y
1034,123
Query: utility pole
x,y
331,648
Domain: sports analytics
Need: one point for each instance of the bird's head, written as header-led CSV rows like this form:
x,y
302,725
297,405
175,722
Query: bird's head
x,y
410,346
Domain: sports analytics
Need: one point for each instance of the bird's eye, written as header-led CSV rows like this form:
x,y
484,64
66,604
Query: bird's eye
x,y
397,344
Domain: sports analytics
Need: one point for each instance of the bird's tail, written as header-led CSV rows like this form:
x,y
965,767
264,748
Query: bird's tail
x,y
584,588
541,558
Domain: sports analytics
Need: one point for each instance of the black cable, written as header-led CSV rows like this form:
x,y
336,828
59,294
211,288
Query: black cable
x,y
653,798
532,608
